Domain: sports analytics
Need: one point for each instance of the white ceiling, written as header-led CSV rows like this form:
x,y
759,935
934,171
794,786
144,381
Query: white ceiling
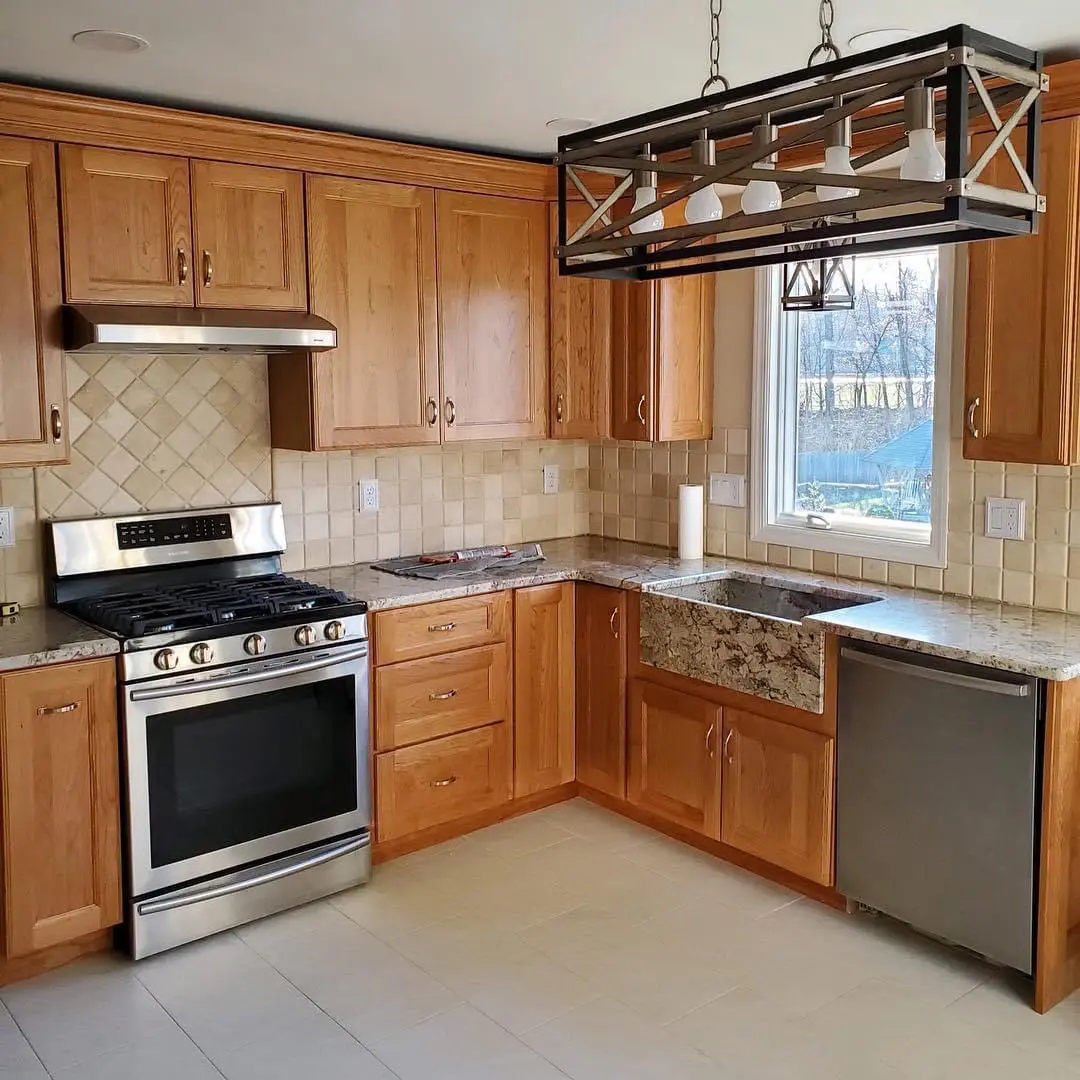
x,y
484,73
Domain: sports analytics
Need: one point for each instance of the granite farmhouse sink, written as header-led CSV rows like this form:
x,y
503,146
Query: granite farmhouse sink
x,y
746,633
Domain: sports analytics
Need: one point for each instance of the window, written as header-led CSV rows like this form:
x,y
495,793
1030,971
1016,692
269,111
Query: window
x,y
852,414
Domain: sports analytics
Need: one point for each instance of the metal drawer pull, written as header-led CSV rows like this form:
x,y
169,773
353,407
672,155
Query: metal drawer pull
x,y
441,628
951,678
56,710
181,265
445,782
973,404
451,412
56,422
709,739
208,268
446,695
433,412
641,410
559,409
613,622
727,743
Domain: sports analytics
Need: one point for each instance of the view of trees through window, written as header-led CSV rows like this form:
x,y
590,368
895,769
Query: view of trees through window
x,y
864,443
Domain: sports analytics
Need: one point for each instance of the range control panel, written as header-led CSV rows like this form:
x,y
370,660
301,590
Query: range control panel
x,y
189,530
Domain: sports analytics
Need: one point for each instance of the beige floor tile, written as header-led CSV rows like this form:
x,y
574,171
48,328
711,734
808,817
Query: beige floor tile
x,y
519,836
393,904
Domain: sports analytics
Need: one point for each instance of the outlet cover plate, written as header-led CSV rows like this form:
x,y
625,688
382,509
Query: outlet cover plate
x,y
369,496
1005,518
7,526
551,479
727,489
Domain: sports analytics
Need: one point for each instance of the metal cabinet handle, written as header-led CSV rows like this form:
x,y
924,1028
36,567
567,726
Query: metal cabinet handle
x,y
207,268
446,782
727,743
56,710
709,739
973,405
559,400
446,695
613,622
441,628
182,267
56,422
451,412
641,410
432,412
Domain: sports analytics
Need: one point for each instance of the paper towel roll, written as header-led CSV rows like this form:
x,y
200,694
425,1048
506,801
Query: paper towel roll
x,y
691,521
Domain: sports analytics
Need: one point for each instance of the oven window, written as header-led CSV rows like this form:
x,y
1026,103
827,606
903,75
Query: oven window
x,y
237,770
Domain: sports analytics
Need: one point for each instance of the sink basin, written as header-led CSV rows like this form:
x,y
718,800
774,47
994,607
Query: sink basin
x,y
788,602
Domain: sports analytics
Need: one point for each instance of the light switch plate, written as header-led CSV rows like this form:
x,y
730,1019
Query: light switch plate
x,y
551,479
7,526
727,489
1005,518
369,496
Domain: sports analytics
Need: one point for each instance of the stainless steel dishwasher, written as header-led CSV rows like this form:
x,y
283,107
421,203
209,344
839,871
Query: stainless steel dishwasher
x,y
937,773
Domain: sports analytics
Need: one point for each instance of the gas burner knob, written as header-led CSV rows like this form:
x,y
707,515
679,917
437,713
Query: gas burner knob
x,y
305,635
201,653
254,644
166,659
335,630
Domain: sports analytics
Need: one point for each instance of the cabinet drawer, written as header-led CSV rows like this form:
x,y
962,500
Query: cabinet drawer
x,y
430,629
424,699
442,780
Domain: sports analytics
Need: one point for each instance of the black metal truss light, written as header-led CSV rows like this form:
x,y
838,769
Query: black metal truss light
x,y
897,98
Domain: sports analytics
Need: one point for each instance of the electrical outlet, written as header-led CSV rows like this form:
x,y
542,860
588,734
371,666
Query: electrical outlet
x,y
727,489
369,496
1005,518
551,479
7,526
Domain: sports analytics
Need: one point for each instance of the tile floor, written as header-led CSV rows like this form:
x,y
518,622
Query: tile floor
x,y
568,943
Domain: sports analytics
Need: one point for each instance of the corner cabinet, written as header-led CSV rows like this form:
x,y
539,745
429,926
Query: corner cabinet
x,y
59,777
33,401
1022,384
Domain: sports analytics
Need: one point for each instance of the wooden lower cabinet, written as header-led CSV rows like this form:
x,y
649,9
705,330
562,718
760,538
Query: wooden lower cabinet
x,y
777,788
600,660
442,780
409,633
543,687
673,766
59,776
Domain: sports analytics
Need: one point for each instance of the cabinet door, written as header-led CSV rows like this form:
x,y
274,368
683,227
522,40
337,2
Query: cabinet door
x,y
249,237
1020,383
33,401
61,834
633,317
543,687
673,766
127,227
685,357
371,250
493,312
601,688
778,794
580,349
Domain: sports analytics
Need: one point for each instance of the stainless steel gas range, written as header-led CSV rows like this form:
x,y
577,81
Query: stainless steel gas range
x,y
244,698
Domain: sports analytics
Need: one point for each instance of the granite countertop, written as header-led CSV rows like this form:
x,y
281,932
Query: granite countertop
x,y
1044,644
41,635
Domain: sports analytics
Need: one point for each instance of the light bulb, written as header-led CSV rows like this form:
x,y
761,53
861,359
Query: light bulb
x,y
704,205
651,222
837,160
922,159
761,196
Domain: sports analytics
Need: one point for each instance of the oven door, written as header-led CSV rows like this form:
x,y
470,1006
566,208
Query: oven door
x,y
236,766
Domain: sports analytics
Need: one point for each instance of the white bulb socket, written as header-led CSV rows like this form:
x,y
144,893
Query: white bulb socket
x,y
761,196
922,159
644,194
704,205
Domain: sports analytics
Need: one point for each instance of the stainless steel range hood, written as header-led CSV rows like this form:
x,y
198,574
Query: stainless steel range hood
x,y
134,328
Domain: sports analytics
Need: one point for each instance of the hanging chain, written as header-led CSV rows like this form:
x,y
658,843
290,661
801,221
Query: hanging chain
x,y
716,7
827,48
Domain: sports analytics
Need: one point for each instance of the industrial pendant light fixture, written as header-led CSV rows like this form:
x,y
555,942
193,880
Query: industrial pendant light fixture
x,y
803,146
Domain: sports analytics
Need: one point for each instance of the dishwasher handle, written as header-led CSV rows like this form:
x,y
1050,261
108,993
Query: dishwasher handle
x,y
950,678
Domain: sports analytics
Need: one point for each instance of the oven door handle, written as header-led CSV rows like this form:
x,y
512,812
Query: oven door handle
x,y
225,683
197,896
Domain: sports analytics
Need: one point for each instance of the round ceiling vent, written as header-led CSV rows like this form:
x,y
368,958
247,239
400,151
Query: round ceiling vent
x,y
110,41
873,39
567,125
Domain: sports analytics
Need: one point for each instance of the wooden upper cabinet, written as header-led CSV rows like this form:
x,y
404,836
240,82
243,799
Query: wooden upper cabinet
x,y
580,348
371,261
33,400
59,776
600,614
674,770
778,794
493,311
1021,381
543,687
249,237
633,401
127,227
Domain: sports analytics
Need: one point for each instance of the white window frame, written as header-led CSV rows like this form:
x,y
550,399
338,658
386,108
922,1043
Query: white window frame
x,y
772,450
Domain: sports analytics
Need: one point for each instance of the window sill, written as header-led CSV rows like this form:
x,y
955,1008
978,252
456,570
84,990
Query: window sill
x,y
846,543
